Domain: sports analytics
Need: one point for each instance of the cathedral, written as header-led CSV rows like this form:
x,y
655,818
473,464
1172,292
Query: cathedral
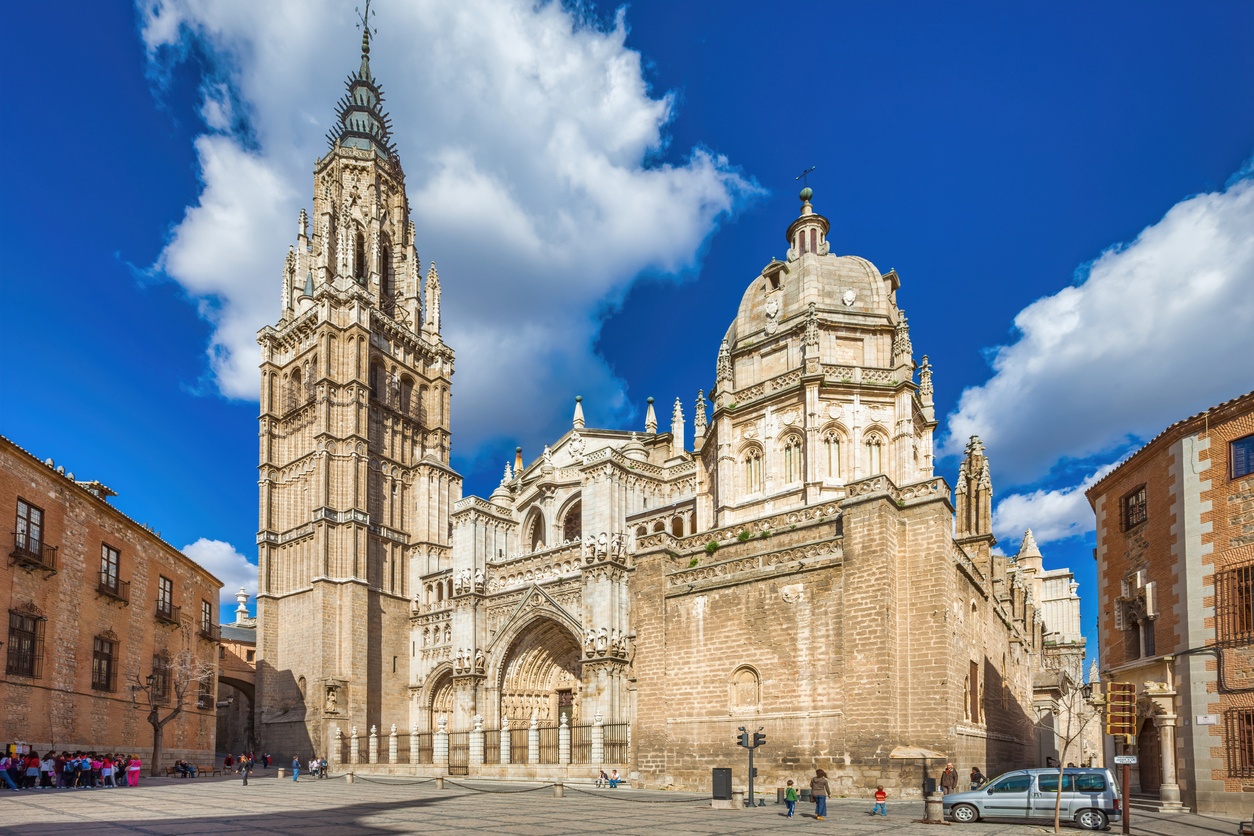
x,y
784,559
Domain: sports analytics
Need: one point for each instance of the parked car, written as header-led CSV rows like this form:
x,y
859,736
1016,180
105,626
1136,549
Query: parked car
x,y
1090,798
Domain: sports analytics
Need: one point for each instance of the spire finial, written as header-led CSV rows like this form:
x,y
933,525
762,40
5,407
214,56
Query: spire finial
x,y
804,177
363,23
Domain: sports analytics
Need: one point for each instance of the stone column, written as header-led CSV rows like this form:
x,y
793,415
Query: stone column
x,y
1170,789
413,743
533,741
354,747
563,742
476,742
598,740
439,742
374,744
338,746
506,752
392,745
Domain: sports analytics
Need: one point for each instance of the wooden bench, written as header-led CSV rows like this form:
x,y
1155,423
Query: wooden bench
x,y
208,770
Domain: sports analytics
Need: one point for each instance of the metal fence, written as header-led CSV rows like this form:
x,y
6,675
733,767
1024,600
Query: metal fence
x,y
345,750
518,745
616,738
491,745
581,744
426,748
402,748
459,753
549,744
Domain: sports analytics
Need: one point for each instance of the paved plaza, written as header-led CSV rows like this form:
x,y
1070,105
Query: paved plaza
x,y
269,805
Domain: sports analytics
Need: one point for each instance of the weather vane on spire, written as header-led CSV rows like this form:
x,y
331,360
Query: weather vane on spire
x,y
363,18
803,176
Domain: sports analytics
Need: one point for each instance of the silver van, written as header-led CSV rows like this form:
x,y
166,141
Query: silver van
x,y
1090,798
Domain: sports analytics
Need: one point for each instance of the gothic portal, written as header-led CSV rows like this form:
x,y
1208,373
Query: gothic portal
x,y
627,599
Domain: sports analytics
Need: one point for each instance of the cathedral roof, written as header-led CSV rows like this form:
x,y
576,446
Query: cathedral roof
x,y
837,285
361,120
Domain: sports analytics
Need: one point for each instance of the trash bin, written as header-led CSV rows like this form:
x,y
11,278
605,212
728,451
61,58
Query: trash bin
x,y
805,794
722,783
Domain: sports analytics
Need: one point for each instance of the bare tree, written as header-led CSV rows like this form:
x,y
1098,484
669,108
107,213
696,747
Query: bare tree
x,y
173,682
1075,709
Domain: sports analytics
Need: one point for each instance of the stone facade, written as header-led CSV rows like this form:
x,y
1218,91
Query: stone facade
x,y
626,599
95,600
1175,562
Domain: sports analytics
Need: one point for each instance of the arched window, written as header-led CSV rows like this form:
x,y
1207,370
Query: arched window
x,y
376,380
295,390
313,379
385,275
745,689
831,454
423,393
792,460
535,531
874,455
359,255
572,522
677,526
753,470
642,531
407,394
660,525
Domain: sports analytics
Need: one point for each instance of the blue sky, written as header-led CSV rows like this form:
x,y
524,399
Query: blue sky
x,y
1063,188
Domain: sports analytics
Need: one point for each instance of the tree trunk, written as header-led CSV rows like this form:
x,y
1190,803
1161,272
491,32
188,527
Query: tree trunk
x,y
154,768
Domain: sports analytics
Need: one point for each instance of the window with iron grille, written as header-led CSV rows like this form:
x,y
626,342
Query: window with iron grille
x,y
104,664
160,678
204,698
1134,510
1239,742
1241,453
110,560
26,645
1234,605
29,527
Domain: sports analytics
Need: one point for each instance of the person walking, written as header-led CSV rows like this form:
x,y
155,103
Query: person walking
x,y
880,798
790,800
949,779
245,766
133,766
295,767
977,778
820,789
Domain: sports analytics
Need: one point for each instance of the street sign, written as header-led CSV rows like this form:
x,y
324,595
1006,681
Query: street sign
x,y
1130,760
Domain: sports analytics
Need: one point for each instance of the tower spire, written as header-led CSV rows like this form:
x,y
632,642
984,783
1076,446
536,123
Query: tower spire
x,y
362,120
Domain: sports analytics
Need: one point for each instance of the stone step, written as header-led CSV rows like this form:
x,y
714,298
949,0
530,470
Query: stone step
x,y
1153,804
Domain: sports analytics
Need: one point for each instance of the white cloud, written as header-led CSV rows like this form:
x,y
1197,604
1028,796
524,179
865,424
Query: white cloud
x,y
1161,328
1051,514
228,565
527,139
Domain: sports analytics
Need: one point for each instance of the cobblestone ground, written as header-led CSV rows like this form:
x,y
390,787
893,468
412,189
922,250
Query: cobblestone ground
x,y
269,805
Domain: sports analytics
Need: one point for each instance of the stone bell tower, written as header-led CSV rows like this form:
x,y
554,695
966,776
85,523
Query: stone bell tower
x,y
355,484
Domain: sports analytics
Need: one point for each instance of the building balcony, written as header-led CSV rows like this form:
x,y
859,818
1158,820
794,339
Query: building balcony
x,y
167,613
210,632
115,588
33,553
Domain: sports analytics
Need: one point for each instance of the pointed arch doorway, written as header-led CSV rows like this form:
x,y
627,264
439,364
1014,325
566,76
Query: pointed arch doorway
x,y
540,675
441,700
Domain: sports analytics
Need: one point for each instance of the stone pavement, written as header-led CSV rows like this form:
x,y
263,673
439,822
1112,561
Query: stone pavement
x,y
311,807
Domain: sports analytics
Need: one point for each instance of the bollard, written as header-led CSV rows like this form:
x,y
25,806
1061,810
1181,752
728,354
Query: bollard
x,y
281,771
439,782
934,810
350,777
738,799
559,790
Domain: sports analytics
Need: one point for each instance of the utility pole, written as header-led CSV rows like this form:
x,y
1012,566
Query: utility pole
x,y
759,739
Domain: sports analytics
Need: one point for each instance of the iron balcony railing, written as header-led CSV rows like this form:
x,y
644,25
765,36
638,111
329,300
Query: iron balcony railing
x,y
167,612
210,632
115,588
33,552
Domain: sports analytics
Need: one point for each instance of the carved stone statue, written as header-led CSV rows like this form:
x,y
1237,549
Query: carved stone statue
x,y
332,700
479,580
480,661
602,641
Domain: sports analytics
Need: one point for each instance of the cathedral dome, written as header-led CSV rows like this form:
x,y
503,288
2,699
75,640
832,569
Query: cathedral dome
x,y
837,285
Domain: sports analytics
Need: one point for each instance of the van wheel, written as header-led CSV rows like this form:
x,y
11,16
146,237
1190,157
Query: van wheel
x,y
1091,820
964,813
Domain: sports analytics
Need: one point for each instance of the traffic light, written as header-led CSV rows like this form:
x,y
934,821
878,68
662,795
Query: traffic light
x,y
758,739
1121,708
744,739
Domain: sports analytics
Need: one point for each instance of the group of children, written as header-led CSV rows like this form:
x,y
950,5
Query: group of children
x,y
820,789
81,770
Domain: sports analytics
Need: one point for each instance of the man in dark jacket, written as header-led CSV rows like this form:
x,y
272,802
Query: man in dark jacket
x,y
949,779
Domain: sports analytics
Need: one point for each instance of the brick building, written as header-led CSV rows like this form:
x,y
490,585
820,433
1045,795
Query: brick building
x,y
237,682
98,603
1175,563
625,599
